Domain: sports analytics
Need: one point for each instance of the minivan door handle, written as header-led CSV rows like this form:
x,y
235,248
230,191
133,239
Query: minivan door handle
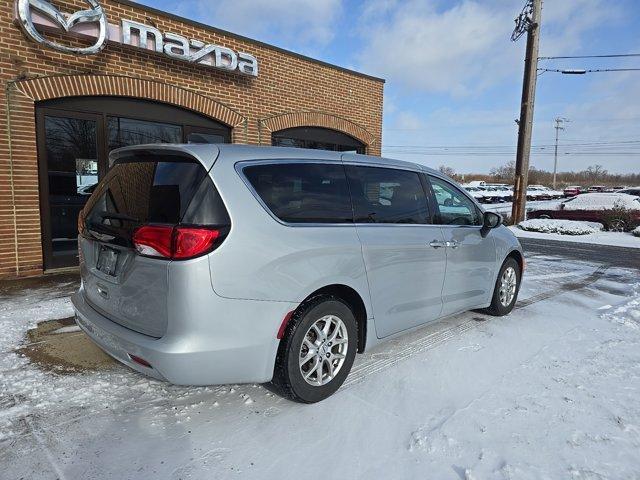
x,y
436,244
453,244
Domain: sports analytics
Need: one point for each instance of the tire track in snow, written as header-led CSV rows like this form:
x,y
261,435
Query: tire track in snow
x,y
384,360
569,286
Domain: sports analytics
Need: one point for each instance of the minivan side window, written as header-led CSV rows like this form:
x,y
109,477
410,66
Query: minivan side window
x,y
387,195
454,207
303,192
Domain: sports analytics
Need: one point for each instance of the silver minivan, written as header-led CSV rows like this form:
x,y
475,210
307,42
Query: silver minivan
x,y
214,264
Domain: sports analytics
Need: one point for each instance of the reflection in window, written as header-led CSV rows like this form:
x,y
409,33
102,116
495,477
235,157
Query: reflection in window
x,y
317,138
455,208
123,132
71,167
387,195
198,137
303,193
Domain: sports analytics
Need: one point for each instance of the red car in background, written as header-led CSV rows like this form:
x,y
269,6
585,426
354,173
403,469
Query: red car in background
x,y
616,211
572,191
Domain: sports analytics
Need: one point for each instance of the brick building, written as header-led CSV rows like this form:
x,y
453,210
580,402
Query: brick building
x,y
73,89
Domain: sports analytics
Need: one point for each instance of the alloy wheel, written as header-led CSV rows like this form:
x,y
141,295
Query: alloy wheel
x,y
508,284
323,350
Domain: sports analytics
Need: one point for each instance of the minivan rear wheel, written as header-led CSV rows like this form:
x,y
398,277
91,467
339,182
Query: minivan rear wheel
x,y
317,350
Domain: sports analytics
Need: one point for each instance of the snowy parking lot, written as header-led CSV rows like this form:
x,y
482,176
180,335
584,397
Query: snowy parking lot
x,y
505,207
550,391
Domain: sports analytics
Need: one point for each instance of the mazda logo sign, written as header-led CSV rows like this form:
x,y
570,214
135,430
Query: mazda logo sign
x,y
43,15
94,15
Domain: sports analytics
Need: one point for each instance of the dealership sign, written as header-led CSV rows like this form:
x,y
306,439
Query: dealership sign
x,y
38,16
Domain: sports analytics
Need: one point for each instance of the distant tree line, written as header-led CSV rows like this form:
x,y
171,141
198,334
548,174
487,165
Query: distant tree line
x,y
592,175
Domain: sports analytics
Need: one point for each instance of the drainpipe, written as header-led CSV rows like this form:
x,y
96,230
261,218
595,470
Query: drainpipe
x,y
11,181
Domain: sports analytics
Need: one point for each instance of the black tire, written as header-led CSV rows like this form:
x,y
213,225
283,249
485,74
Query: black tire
x,y
288,380
497,309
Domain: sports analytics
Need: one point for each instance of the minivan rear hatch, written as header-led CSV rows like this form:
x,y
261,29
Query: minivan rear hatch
x,y
154,191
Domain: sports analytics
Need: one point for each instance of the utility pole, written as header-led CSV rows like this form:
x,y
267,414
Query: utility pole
x,y
528,21
558,127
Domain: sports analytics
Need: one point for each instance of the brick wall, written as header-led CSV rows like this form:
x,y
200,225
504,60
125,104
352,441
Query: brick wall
x,y
289,91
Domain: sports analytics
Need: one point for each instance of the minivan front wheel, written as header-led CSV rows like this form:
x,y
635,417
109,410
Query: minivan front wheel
x,y
506,289
317,350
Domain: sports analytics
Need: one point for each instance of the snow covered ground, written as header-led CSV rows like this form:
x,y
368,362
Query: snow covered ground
x,y
505,208
563,227
550,391
617,239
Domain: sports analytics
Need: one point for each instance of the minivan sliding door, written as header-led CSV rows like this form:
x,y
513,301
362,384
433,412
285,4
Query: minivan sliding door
x,y
404,254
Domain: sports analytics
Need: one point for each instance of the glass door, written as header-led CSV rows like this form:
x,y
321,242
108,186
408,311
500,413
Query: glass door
x,y
68,147
75,136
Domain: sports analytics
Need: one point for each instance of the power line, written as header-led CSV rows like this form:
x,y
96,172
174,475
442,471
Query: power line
x,y
580,71
617,55
510,122
510,154
540,145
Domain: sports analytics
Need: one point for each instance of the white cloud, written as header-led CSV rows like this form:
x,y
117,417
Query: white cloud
x,y
461,48
565,23
408,121
607,113
306,23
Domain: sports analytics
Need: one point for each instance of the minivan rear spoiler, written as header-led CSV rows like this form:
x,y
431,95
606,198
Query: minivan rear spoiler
x,y
205,153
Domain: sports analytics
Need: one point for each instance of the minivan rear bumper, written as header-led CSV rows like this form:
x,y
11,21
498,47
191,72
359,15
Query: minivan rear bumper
x,y
238,344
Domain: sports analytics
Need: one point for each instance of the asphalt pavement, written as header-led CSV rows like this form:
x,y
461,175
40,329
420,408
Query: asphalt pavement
x,y
604,254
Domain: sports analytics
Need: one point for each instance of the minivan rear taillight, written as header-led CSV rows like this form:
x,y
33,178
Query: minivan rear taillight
x,y
174,242
191,242
154,241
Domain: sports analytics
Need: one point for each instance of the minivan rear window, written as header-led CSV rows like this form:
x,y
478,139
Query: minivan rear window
x,y
303,192
149,188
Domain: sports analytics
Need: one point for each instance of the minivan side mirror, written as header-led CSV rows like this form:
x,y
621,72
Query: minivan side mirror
x,y
490,220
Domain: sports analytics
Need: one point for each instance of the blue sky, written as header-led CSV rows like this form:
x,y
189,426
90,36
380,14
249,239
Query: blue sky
x,y
454,78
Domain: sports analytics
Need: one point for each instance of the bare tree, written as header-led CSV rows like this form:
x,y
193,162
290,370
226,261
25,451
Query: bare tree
x,y
595,172
448,171
504,172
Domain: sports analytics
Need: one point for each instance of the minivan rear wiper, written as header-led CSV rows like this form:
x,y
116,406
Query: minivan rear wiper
x,y
117,216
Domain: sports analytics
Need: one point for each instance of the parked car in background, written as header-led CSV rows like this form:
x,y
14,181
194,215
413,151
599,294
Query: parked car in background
x,y
630,191
540,192
505,191
497,193
572,191
476,183
596,188
214,264
483,194
616,211
476,192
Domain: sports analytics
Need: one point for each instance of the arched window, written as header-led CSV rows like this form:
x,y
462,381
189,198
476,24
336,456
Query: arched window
x,y
316,137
